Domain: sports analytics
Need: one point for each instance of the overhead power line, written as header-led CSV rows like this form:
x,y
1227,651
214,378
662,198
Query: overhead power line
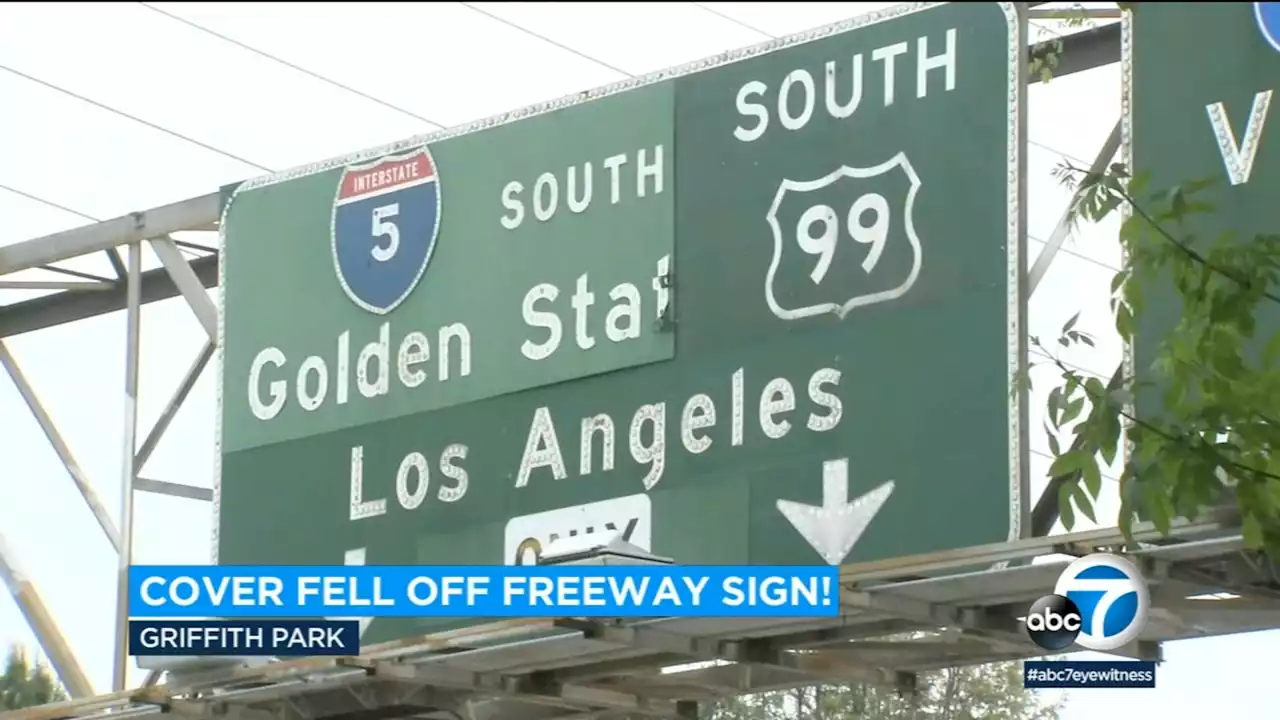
x,y
546,39
292,66
734,20
134,118
48,203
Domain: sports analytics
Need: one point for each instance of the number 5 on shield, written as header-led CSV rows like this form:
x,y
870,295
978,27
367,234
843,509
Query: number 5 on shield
x,y
384,227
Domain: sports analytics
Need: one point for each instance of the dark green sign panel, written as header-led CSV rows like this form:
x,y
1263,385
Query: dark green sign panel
x,y
1199,111
520,255
830,380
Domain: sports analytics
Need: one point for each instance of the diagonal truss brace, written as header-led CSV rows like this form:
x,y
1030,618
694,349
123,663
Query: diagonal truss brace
x,y
74,469
42,624
188,284
1060,231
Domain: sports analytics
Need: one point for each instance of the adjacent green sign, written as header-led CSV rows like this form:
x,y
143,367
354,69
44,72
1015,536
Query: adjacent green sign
x,y
831,317
1199,111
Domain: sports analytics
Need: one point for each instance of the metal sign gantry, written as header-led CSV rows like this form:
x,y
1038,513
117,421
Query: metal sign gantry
x,y
958,607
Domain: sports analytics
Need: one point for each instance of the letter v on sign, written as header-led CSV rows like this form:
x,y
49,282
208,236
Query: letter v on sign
x,y
356,557
1238,156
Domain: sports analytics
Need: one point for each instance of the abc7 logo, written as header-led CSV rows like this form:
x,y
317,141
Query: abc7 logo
x,y
1100,602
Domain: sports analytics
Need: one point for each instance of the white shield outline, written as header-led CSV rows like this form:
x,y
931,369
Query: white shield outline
x,y
424,150
842,309
1265,29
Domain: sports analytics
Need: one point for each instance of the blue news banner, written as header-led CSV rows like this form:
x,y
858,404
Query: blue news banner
x,y
170,606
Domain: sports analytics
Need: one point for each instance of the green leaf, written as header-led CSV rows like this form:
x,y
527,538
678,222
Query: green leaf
x,y
1251,529
1126,516
1124,321
1092,479
1118,280
1055,405
1109,442
1073,384
1271,355
1177,202
1065,511
1083,503
1195,186
1068,463
1071,323
1072,411
1107,206
1159,506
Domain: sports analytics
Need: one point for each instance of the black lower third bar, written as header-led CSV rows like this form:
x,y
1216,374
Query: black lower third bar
x,y
244,637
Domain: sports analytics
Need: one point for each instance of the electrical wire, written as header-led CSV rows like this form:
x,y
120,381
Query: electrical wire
x,y
46,202
706,8
134,118
292,66
546,39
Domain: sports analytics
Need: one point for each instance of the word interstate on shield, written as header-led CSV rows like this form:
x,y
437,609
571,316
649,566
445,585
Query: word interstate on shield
x,y
780,408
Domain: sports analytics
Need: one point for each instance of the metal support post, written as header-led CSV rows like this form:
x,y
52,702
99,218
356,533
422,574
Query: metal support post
x,y
133,321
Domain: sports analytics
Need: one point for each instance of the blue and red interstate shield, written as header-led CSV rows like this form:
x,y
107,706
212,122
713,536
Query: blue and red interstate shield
x,y
386,218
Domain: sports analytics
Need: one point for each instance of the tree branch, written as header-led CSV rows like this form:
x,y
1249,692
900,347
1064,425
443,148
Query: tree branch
x,y
1184,440
1190,253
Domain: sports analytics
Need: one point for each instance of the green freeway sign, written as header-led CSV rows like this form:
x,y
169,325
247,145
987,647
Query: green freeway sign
x,y
1194,120
828,326
525,254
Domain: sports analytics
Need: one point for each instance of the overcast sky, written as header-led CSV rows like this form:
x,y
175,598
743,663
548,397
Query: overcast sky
x,y
430,65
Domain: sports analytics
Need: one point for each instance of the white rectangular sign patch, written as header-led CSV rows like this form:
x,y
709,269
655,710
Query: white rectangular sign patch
x,y
527,535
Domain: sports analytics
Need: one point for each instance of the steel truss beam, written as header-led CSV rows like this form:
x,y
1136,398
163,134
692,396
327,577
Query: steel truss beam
x,y
184,280
199,213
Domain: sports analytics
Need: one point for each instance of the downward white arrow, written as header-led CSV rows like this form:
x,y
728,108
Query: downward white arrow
x,y
836,526
356,557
